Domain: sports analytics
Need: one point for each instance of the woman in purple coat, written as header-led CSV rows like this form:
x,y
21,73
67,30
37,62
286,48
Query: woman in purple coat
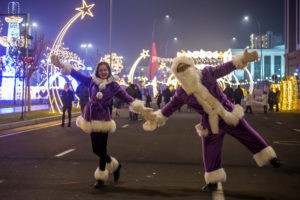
x,y
199,89
96,118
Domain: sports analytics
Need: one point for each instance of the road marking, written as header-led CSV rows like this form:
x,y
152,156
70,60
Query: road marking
x,y
279,123
64,153
298,130
218,194
30,129
289,143
124,126
1,181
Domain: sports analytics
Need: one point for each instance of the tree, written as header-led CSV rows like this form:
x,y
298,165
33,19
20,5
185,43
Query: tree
x,y
32,61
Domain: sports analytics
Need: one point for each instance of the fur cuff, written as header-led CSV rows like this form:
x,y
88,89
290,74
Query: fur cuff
x,y
160,118
101,175
215,176
201,131
149,125
137,106
66,69
264,156
83,124
112,166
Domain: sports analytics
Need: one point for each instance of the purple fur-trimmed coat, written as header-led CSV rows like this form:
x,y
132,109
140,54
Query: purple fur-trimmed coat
x,y
209,80
96,116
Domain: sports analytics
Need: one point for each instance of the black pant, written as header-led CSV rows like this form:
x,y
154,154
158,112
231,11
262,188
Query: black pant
x,y
248,108
69,109
99,144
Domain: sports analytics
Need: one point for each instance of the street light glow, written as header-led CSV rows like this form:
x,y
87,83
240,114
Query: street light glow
x,y
246,18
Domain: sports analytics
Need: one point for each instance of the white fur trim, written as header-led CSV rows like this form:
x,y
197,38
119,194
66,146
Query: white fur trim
x,y
149,125
83,124
215,176
160,118
96,126
101,175
137,106
201,131
181,59
66,68
99,95
264,156
113,165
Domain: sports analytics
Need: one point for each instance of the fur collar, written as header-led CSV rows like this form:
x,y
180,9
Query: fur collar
x,y
101,84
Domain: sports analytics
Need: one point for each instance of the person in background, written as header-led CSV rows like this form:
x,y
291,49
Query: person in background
x,y
264,100
83,93
148,100
96,119
238,95
248,103
67,98
159,99
229,92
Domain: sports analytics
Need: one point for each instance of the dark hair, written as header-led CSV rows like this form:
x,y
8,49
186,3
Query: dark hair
x,y
107,66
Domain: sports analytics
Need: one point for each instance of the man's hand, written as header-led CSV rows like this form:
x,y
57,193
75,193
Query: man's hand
x,y
55,61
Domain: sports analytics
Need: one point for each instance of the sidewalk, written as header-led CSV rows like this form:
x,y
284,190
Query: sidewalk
x,y
11,116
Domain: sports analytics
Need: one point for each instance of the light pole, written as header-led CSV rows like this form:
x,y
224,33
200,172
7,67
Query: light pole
x,y
167,45
246,19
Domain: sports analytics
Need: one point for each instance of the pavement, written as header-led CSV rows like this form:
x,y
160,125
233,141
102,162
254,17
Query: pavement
x,y
18,109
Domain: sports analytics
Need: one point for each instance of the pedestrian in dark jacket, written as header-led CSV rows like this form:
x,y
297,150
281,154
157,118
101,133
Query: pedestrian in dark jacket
x,y
67,98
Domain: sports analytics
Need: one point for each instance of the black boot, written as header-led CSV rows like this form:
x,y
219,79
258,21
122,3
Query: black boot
x,y
99,184
69,124
117,173
276,163
210,187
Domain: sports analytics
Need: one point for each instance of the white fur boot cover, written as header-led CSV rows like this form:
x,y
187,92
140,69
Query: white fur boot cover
x,y
218,175
112,166
264,156
101,175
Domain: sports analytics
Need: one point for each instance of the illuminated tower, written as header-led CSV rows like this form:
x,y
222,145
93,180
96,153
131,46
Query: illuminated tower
x,y
13,34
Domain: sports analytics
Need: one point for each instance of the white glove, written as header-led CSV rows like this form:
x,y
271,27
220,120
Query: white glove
x,y
55,61
249,57
241,61
148,113
149,125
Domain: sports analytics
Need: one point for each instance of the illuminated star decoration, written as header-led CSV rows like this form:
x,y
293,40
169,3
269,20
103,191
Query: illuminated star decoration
x,y
144,54
85,9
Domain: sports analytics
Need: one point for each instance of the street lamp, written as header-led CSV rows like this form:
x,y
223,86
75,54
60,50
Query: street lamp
x,y
86,46
247,19
167,45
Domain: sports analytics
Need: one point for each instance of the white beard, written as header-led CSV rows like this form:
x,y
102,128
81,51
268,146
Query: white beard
x,y
189,79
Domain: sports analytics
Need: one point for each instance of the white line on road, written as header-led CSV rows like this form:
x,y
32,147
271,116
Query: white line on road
x,y
30,129
298,130
279,123
124,126
218,194
64,153
1,181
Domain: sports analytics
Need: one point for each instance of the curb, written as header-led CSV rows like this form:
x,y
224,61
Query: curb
x,y
33,121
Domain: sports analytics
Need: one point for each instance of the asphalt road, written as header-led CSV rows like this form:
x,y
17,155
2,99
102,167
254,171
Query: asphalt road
x,y
46,161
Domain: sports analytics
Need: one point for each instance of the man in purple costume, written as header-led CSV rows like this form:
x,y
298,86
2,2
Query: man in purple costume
x,y
199,89
96,118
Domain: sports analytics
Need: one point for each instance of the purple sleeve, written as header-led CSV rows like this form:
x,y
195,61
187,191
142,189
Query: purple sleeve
x,y
86,80
220,70
175,103
121,94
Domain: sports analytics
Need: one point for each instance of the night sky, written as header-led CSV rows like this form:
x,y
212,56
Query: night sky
x,y
198,24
